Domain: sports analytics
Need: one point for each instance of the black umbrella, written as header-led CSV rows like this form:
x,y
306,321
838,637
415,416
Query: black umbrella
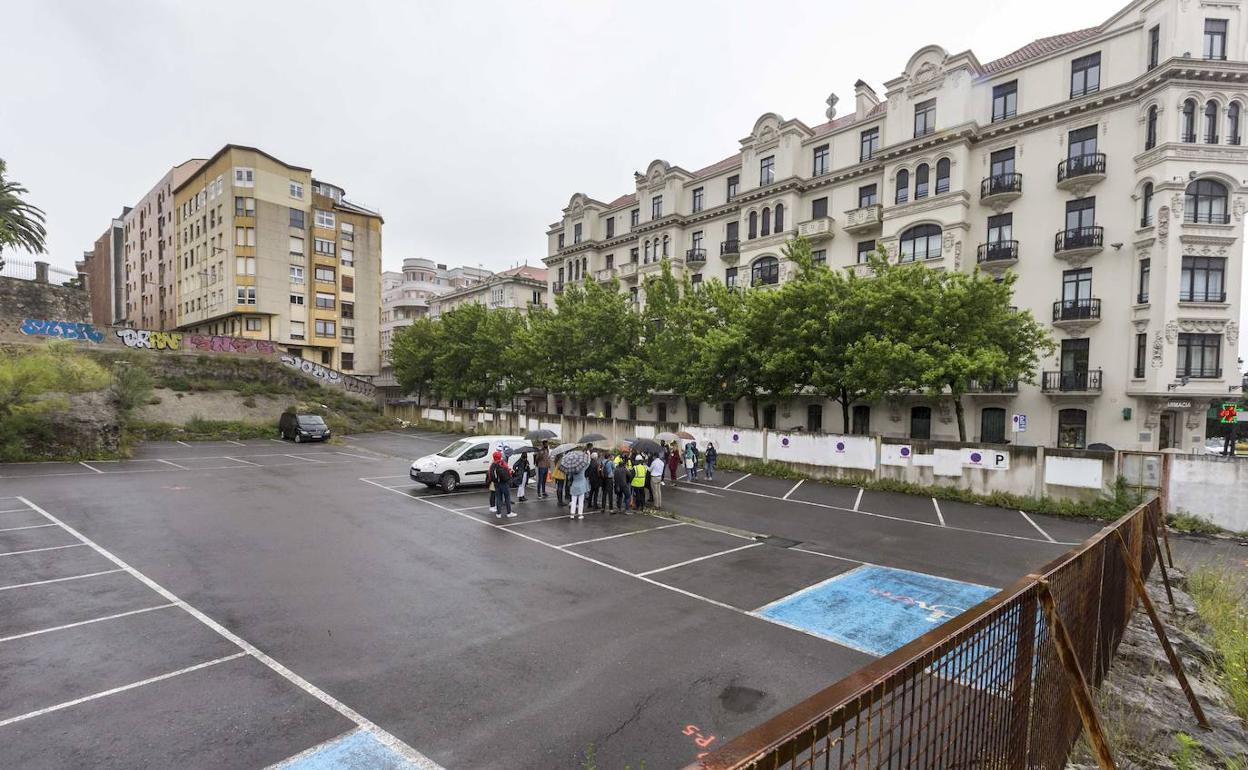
x,y
574,461
561,449
590,438
644,445
680,435
519,450
540,434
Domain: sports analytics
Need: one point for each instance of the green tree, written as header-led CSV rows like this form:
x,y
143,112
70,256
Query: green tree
x,y
413,352
941,333
21,223
472,358
584,347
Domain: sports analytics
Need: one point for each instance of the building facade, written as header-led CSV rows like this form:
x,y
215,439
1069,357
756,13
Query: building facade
x,y
266,251
1104,167
104,267
520,288
149,273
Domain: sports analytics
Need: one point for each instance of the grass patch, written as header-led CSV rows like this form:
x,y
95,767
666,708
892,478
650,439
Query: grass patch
x,y
1108,508
1192,524
197,429
1221,597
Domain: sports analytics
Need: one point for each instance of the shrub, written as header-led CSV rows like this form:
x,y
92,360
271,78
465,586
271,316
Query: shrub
x,y
132,386
29,374
1221,597
1192,523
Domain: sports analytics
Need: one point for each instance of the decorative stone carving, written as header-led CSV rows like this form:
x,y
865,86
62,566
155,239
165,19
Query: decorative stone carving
x,y
1163,222
1141,324
831,110
926,73
1201,325
1159,349
957,255
1232,332
946,414
894,411
1194,418
1237,208
1172,332
1176,205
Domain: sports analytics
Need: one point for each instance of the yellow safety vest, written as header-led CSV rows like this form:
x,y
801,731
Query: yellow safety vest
x,y
639,474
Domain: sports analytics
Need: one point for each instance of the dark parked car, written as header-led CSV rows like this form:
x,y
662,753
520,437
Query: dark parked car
x,y
303,427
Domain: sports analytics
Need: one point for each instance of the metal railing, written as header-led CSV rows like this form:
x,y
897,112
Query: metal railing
x,y
1079,238
1003,685
695,255
997,250
1200,372
1001,183
732,246
1081,165
1071,381
1202,296
1076,309
1207,218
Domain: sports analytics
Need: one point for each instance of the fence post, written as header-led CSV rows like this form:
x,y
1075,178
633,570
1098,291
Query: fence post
x,y
1037,484
1074,675
764,445
1175,664
41,271
878,473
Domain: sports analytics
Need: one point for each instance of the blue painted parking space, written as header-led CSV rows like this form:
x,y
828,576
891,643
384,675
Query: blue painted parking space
x,y
875,609
357,750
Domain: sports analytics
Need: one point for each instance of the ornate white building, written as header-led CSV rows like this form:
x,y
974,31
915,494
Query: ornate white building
x,y
1104,166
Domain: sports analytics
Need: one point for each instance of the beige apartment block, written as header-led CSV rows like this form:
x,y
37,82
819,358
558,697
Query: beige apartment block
x,y
266,251
1104,167
520,288
150,243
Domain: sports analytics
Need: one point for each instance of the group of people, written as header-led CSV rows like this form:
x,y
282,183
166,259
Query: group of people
x,y
614,481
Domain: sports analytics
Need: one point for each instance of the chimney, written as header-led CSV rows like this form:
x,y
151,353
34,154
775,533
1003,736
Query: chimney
x,y
864,99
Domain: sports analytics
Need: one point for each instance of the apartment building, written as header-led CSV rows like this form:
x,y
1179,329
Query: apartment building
x,y
409,294
267,251
520,287
1103,166
104,267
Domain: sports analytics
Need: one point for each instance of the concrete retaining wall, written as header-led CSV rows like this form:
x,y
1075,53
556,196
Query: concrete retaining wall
x,y
1215,488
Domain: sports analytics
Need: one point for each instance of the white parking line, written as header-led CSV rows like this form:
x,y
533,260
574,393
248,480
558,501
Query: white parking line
x,y
170,462
500,526
59,580
794,489
1047,536
30,526
115,690
83,464
19,510
700,558
420,760
40,550
305,459
183,443
734,481
245,462
235,443
939,515
828,555
623,534
858,499
359,457
85,622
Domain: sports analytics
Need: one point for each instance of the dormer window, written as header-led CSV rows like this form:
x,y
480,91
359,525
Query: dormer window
x,y
1085,75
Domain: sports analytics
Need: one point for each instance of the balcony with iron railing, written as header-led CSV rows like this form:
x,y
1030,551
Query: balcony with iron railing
x,y
605,274
1075,381
997,253
1081,170
864,218
1000,189
1199,372
817,229
730,250
695,256
1079,243
1206,296
992,386
1081,312
1206,217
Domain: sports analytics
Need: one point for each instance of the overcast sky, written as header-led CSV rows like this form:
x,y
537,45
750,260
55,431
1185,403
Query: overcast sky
x,y
468,124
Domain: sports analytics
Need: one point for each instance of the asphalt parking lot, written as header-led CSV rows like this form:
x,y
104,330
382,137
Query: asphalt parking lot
x,y
246,604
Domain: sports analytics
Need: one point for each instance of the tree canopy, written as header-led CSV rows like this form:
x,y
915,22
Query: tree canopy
x,y
897,330
21,223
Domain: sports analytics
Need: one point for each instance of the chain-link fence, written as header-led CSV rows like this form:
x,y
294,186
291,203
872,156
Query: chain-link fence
x,y
986,690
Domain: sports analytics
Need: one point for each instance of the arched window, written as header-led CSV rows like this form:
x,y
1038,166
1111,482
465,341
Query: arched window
x,y
1211,122
1206,202
1146,209
920,181
919,243
903,186
942,176
1150,133
779,217
765,272
753,224
1072,429
666,243
766,222
1188,129
1232,123
647,256
920,422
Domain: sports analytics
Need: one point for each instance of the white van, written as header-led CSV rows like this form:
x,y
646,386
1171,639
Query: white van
x,y
463,462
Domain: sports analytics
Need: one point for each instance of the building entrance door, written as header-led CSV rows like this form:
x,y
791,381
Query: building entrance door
x,y
1168,434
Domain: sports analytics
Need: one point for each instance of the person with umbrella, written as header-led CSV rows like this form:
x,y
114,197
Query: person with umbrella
x,y
521,471
542,461
691,460
593,474
500,479
574,463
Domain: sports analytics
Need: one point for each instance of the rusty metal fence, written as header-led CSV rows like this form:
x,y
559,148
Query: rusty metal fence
x,y
989,689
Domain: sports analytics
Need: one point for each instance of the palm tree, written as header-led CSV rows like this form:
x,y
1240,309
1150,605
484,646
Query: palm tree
x,y
21,223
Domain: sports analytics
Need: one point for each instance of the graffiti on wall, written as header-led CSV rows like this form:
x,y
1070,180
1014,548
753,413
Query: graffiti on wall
x,y
147,339
330,376
66,330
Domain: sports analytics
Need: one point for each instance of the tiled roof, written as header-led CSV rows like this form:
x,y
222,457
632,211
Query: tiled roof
x,y
723,165
1037,48
623,199
526,271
